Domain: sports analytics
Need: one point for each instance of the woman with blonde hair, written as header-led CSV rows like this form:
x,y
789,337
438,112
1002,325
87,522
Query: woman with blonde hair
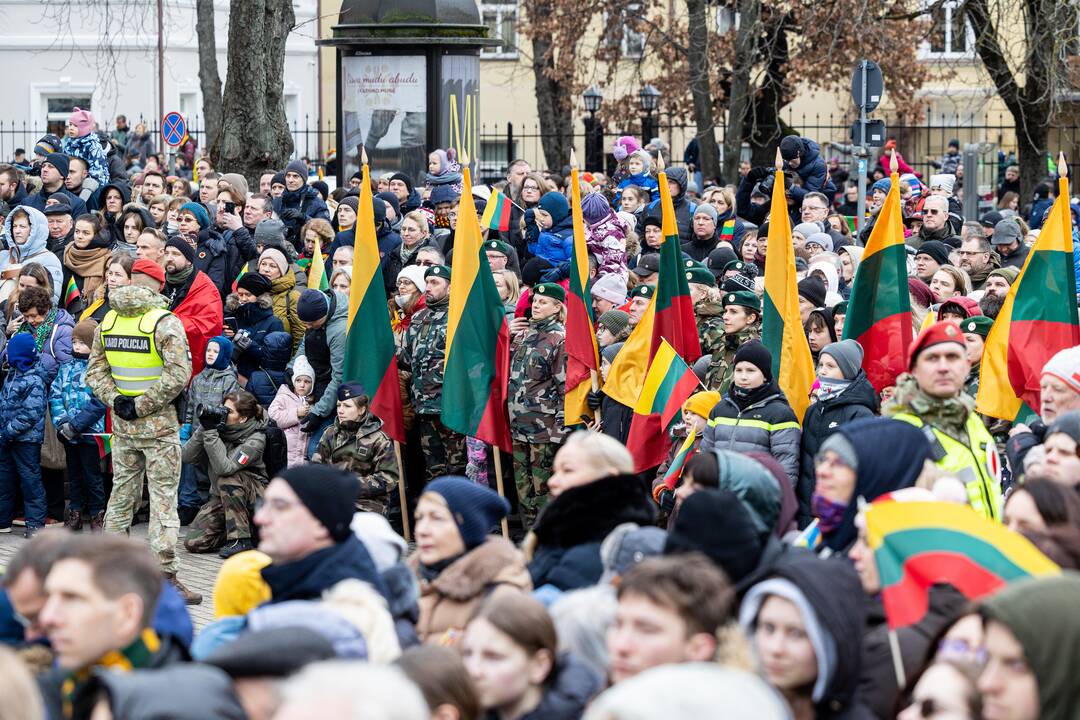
x,y
509,290
21,698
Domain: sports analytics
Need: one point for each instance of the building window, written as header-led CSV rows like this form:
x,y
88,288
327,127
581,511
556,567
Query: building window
x,y
501,20
622,31
950,35
493,157
58,109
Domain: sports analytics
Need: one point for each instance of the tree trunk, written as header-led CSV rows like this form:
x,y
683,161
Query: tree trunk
x,y
773,95
698,60
254,131
746,38
209,77
553,107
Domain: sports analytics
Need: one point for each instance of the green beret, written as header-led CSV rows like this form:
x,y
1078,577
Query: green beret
x,y
736,265
743,298
439,271
645,291
497,246
979,324
698,273
551,290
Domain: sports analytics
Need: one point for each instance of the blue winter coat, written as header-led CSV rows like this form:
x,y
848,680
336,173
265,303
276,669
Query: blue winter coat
x,y
257,319
57,348
38,199
89,149
556,244
265,379
1038,212
212,257
71,400
812,171
643,180
22,405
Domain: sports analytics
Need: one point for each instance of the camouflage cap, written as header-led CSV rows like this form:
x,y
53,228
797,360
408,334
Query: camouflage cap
x,y
980,325
439,271
551,290
743,298
645,291
497,246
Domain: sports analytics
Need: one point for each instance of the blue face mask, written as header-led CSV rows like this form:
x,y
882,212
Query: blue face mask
x,y
829,513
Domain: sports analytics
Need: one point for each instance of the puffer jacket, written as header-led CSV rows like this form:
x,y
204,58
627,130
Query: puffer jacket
x,y
71,401
641,180
335,329
265,379
208,389
556,244
89,149
22,405
56,350
307,202
34,250
607,241
229,450
285,296
812,172
857,400
283,412
258,319
766,425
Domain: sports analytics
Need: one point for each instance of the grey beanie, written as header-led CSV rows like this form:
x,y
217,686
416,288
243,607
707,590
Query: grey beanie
x,y
839,444
848,354
707,209
611,351
1068,424
807,229
298,167
270,232
822,239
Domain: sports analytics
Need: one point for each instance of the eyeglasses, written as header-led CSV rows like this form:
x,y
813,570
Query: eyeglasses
x,y
530,187
957,649
933,212
970,253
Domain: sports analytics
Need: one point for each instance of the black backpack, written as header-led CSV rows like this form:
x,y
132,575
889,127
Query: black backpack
x,y
276,453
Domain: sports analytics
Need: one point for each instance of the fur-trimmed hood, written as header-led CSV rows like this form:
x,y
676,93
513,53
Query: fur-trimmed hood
x,y
588,513
495,562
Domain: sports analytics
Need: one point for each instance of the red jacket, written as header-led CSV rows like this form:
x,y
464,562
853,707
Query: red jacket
x,y
201,313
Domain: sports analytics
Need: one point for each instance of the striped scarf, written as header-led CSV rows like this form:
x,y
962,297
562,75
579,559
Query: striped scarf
x,y
136,655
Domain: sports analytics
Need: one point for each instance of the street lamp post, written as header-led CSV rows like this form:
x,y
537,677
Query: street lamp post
x,y
649,97
594,131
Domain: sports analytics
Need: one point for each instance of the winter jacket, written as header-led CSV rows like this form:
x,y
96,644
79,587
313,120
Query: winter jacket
x,y
1038,212
208,389
857,400
448,600
22,405
312,575
35,249
56,349
1018,257
183,691
556,244
615,419
812,172
240,247
684,216
699,248
392,263
229,450
198,305
285,296
571,527
269,375
212,258
606,240
362,448
283,412
138,147
765,425
423,352
568,689
334,333
641,180
88,147
71,401
296,207
536,385
257,319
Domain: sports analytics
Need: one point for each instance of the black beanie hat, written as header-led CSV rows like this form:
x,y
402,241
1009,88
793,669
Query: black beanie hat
x,y
403,178
716,523
755,353
175,241
813,289
791,147
254,283
937,250
328,493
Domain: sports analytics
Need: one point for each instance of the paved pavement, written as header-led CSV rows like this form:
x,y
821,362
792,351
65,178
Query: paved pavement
x,y
197,572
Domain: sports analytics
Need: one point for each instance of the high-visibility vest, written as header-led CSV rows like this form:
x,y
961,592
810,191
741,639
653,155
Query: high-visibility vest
x,y
133,356
975,463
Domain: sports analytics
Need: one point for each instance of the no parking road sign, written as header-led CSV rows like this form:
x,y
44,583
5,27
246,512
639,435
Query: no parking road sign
x,y
173,129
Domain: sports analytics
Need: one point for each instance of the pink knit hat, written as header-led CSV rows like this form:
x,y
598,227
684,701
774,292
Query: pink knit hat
x,y
624,147
83,120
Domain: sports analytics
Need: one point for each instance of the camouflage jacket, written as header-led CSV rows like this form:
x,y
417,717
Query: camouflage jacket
x,y
363,448
537,383
229,450
424,352
971,385
157,414
722,365
710,326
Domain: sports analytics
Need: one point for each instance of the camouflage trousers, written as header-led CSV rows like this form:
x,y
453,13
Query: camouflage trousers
x,y
157,460
444,449
532,468
227,514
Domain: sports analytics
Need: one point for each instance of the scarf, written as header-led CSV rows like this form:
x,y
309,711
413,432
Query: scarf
x,y
428,573
948,415
745,398
828,387
41,333
180,276
88,263
136,655
828,512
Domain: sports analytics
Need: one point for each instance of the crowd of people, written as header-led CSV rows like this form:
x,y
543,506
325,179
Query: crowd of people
x,y
168,356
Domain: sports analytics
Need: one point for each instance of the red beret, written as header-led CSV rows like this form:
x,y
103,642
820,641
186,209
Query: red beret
x,y
150,268
945,331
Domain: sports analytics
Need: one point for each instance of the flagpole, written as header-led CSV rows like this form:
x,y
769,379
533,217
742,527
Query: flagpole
x,y
401,492
898,662
499,486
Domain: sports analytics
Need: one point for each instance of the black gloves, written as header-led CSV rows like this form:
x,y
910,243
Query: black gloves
x,y
291,214
311,423
68,432
212,418
759,173
124,407
666,499
594,399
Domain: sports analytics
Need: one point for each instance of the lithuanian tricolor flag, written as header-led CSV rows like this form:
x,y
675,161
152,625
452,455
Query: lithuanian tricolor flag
x,y
316,278
674,320
477,338
1037,319
879,311
369,345
668,384
919,544
674,471
627,372
582,362
497,212
782,329
71,292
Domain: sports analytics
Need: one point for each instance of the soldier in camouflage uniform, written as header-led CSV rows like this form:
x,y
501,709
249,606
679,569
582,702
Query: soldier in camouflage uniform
x,y
535,396
742,314
356,442
145,440
708,308
231,449
423,351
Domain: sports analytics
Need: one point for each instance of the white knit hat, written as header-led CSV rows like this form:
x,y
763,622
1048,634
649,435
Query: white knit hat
x,y
610,287
414,274
302,368
944,182
1065,366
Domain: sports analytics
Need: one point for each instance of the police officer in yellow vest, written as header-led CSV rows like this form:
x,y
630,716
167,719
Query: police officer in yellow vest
x,y
138,365
931,397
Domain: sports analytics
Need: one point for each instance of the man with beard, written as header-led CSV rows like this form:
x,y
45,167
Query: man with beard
x,y
193,298
978,259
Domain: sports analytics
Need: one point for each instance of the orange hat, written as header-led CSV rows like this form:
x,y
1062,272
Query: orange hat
x,y
945,331
149,267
